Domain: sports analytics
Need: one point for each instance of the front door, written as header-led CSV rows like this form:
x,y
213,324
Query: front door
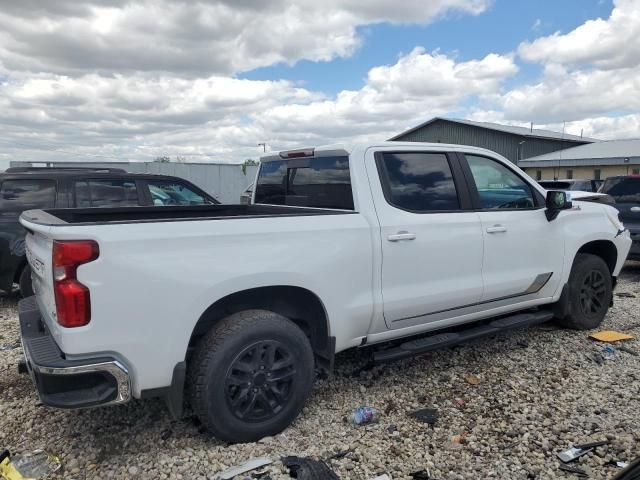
x,y
523,251
431,240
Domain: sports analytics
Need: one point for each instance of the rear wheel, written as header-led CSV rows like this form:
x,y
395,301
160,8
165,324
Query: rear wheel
x,y
26,288
250,376
590,293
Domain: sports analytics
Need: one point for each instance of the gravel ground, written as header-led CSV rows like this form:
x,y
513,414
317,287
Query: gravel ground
x,y
540,391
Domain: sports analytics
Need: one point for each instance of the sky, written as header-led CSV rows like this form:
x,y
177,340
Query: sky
x,y
207,81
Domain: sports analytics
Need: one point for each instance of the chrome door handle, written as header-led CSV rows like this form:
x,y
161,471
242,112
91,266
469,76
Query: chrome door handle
x,y
401,236
635,209
497,229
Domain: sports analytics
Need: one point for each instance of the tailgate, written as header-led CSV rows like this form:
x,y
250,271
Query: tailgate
x,y
39,248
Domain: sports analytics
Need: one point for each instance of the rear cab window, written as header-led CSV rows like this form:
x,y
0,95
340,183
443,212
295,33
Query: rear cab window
x,y
318,182
116,192
27,194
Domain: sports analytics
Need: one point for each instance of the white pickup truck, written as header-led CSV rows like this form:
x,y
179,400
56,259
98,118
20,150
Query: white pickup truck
x,y
234,308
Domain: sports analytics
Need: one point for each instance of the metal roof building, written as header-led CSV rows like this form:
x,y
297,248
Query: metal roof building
x,y
512,142
595,160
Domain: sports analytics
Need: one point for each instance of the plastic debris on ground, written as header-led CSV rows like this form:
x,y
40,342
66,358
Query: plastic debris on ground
x,y
249,465
577,451
459,401
421,475
622,464
364,415
472,379
36,465
576,471
608,352
611,336
381,477
426,415
308,469
625,295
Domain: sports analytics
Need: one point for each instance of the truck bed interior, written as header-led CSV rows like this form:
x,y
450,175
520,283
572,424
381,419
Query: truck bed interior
x,y
91,216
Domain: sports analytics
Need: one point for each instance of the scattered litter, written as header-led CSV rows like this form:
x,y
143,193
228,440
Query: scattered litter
x,y
421,475
165,434
610,336
625,295
456,442
576,471
426,415
36,465
9,346
341,454
392,429
472,379
381,477
628,350
596,357
308,469
249,465
364,415
608,352
622,464
578,450
460,401
571,454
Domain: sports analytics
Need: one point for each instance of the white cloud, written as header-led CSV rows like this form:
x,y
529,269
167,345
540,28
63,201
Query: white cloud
x,y
196,38
607,44
223,118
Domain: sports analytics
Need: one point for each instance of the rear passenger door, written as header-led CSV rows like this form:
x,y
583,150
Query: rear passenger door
x,y
431,238
106,192
523,251
163,193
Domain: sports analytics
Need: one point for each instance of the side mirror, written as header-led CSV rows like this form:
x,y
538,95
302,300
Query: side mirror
x,y
556,201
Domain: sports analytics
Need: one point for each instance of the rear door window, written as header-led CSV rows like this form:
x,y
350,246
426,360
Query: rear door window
x,y
418,182
322,182
106,193
27,194
166,192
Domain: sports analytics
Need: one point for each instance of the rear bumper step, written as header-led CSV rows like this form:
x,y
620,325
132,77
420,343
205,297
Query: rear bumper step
x,y
64,383
449,339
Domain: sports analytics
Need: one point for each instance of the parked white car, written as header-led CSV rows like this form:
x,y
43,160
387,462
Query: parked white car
x,y
233,308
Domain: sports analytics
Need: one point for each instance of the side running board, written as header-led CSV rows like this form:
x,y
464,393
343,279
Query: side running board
x,y
448,339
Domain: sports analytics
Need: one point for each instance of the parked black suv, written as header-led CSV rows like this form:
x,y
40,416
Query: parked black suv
x,y
30,187
626,192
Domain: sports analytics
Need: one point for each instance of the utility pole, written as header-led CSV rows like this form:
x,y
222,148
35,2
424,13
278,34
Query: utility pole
x,y
264,146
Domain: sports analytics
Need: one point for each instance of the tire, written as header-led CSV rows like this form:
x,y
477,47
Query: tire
x,y
26,287
590,293
231,376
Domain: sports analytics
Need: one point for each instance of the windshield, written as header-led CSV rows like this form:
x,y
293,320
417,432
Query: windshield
x,y
623,189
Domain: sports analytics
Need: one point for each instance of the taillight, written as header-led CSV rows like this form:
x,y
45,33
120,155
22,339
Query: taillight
x,y
73,303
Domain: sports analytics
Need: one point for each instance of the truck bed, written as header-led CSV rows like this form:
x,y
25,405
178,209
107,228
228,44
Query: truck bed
x,y
99,216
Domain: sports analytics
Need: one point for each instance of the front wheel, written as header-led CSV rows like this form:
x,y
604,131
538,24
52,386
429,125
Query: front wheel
x,y
590,293
250,376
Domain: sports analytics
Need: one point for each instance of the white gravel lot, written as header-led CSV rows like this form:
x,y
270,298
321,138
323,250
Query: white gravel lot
x,y
540,391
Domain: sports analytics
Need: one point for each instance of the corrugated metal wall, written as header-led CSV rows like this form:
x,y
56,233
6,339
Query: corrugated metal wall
x,y
224,181
506,144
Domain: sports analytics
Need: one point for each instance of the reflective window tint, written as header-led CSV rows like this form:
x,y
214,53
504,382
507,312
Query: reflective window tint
x,y
322,182
27,194
165,193
498,186
106,193
419,182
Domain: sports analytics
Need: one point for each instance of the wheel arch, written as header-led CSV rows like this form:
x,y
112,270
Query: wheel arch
x,y
604,249
298,304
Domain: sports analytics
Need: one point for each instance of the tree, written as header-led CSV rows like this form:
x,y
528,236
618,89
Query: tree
x,y
248,162
162,159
